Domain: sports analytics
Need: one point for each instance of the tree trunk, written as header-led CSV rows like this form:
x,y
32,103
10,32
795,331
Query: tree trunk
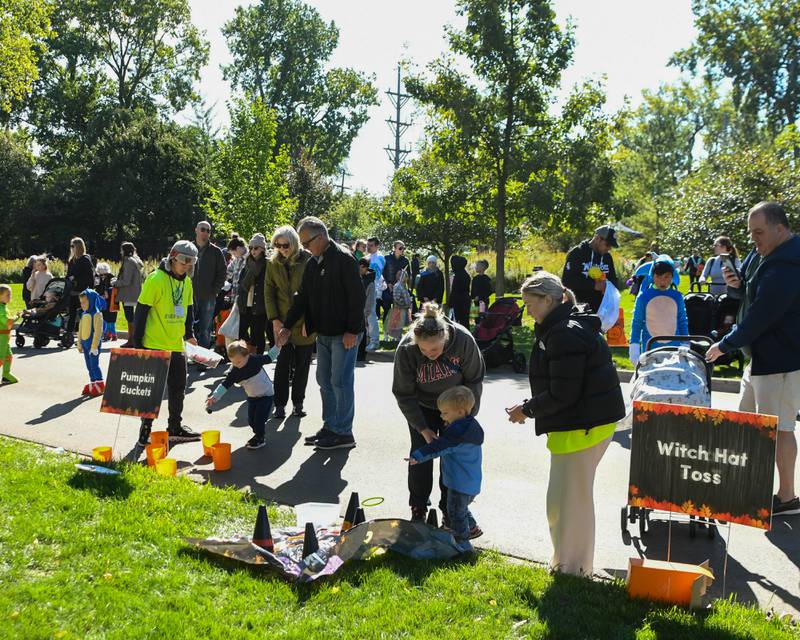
x,y
447,255
500,242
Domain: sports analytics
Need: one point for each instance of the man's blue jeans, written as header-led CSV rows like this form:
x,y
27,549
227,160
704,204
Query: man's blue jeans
x,y
461,520
203,319
336,377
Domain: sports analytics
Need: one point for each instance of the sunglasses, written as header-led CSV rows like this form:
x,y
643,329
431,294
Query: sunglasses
x,y
204,230
308,242
185,259
281,245
401,248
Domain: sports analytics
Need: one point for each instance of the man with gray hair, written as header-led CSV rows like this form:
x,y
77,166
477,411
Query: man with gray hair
x,y
768,330
208,277
331,297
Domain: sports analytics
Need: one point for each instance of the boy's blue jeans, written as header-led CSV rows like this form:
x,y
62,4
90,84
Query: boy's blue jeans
x,y
461,520
258,413
336,377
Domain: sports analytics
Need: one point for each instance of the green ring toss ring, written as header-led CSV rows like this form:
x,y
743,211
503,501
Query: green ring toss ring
x,y
372,502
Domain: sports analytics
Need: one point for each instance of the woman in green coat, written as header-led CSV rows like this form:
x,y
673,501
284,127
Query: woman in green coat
x,y
281,282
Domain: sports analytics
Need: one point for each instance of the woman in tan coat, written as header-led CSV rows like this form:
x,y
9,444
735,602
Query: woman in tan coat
x,y
281,282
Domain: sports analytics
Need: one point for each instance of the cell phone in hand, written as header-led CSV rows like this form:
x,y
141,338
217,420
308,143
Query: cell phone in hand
x,y
727,263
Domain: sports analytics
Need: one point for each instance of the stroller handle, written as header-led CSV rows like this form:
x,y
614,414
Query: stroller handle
x,y
689,339
698,286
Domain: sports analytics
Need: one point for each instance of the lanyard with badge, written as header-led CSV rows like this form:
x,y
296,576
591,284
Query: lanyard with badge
x,y
177,299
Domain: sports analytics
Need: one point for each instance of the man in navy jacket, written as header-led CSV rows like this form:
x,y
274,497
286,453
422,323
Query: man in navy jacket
x,y
768,329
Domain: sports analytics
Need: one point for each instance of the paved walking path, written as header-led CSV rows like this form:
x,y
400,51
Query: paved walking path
x,y
45,408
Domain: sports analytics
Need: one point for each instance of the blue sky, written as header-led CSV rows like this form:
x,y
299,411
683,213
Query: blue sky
x,y
629,41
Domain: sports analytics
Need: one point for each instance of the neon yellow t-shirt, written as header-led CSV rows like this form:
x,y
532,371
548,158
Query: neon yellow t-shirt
x,y
560,442
169,300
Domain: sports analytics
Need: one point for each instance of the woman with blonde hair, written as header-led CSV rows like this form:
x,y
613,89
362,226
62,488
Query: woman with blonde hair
x,y
80,273
40,276
283,277
435,355
576,400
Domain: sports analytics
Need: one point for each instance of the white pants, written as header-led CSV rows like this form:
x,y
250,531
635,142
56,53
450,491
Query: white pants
x,y
570,508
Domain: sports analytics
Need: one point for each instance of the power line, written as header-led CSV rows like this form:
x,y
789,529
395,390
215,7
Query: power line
x,y
344,174
397,153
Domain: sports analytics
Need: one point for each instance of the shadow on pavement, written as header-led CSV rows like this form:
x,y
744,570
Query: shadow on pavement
x,y
58,410
785,534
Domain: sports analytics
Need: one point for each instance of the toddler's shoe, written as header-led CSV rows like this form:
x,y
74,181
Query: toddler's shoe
x,y
85,391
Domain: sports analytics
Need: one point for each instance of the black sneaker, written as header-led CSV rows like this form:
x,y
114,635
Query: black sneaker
x,y
788,508
475,532
144,436
256,442
418,514
334,441
183,434
280,413
322,433
298,412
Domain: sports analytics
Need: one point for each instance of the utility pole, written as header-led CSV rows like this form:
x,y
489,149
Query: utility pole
x,y
344,174
397,154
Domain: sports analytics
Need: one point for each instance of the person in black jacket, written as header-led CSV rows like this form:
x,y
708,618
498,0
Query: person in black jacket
x,y
576,400
250,297
80,272
459,301
588,254
431,283
331,297
481,285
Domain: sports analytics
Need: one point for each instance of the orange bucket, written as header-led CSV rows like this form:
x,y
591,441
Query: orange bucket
x,y
221,453
160,439
101,454
166,467
154,454
209,438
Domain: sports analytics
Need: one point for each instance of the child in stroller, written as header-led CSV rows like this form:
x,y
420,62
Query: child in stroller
x,y
47,318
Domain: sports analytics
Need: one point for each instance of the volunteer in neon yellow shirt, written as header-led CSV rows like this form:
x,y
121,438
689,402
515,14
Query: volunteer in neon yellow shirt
x,y
576,400
163,320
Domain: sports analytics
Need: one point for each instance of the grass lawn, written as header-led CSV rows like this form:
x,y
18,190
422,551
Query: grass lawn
x,y
88,557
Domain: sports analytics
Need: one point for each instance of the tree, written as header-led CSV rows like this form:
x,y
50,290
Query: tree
x,y
433,205
353,216
24,26
251,193
754,45
516,52
280,49
309,189
18,192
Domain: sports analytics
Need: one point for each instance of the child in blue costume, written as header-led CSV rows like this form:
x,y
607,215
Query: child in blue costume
x,y
90,337
659,309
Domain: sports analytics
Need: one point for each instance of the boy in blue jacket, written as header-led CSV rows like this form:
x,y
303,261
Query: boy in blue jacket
x,y
459,445
659,309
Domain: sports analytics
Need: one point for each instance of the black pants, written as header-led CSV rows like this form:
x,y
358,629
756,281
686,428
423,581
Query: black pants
x,y
387,298
420,476
74,307
252,328
258,413
461,309
295,357
362,348
176,391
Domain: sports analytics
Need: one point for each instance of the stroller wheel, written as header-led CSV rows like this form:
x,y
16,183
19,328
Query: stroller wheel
x,y
20,341
40,341
67,340
519,363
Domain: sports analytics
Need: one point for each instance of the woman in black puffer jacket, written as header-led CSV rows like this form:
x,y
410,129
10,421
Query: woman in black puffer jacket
x,y
576,400
250,297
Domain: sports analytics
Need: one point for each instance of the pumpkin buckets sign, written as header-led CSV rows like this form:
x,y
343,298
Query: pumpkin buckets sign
x,y
703,462
135,382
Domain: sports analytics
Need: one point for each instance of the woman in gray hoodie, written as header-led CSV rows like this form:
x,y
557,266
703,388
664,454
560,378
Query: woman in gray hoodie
x,y
129,285
435,355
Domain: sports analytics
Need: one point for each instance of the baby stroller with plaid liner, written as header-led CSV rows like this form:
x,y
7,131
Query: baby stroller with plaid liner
x,y
494,337
675,373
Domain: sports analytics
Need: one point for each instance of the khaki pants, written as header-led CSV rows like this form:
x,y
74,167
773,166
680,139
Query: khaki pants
x,y
570,508
776,394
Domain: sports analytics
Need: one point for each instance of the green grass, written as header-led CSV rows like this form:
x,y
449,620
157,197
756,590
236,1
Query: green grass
x,y
91,557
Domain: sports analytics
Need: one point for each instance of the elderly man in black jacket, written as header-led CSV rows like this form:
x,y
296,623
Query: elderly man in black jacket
x,y
331,297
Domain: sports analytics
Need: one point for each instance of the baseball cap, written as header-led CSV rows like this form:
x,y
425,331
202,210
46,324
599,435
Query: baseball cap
x,y
608,234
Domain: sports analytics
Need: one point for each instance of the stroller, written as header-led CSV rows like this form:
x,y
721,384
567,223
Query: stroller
x,y
713,316
674,374
494,337
50,324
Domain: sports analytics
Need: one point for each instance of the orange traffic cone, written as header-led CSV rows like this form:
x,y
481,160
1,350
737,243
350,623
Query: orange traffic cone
x,y
262,536
310,542
350,512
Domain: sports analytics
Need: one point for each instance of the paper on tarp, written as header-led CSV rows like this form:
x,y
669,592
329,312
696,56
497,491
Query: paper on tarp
x,y
413,539
203,356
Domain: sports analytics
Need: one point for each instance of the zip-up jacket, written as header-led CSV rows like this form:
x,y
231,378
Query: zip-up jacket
x,y
209,273
459,446
252,377
579,260
331,296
